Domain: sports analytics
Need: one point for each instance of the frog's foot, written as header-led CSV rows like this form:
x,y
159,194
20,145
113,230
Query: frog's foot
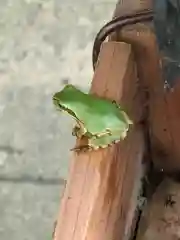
x,y
88,148
76,131
100,142
82,148
108,145
107,140
115,141
107,132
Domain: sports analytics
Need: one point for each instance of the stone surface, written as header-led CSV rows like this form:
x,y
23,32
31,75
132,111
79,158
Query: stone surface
x,y
28,210
44,45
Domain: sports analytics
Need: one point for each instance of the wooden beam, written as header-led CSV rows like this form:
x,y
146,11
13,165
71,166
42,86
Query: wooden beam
x,y
101,193
163,106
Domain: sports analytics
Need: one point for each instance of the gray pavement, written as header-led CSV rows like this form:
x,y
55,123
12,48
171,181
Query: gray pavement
x,y
43,45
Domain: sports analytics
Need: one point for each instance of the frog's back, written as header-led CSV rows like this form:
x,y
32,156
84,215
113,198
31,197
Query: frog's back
x,y
102,114
99,114
96,113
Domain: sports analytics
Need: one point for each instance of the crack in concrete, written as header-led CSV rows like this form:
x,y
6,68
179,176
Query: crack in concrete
x,y
32,180
10,150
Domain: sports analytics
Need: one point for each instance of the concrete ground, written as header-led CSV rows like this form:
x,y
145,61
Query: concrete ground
x,y
43,45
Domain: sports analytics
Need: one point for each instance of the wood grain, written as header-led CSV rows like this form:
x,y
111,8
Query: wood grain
x,y
99,202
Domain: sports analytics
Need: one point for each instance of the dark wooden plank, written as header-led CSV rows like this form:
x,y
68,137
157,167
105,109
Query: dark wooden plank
x,y
100,197
163,106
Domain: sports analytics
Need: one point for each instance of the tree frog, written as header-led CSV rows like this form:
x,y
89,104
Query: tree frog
x,y
102,121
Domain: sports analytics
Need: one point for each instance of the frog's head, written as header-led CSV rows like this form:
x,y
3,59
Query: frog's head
x,y
66,98
63,98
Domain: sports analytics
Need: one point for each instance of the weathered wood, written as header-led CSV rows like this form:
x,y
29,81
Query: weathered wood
x,y
161,216
163,106
100,197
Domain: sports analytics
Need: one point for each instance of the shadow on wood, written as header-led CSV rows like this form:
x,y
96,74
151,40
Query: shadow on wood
x,y
101,194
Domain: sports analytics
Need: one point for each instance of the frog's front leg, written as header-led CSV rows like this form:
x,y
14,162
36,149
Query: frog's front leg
x,y
78,130
79,133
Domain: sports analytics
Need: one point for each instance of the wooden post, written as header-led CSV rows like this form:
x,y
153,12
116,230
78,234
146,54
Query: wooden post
x,y
101,193
163,105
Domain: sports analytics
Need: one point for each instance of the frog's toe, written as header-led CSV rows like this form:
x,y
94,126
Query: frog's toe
x,y
104,146
74,133
96,148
